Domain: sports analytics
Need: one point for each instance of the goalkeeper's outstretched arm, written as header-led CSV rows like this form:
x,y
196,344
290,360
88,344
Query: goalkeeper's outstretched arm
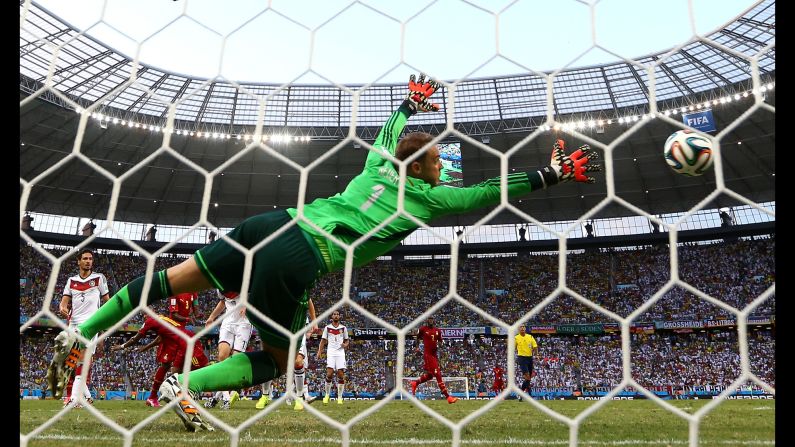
x,y
562,168
416,101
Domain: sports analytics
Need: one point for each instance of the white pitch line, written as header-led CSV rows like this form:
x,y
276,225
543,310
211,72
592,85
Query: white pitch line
x,y
409,441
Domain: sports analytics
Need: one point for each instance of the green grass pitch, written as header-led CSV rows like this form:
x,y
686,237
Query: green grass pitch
x,y
510,423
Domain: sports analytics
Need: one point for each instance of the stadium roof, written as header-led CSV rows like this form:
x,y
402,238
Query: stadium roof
x,y
504,110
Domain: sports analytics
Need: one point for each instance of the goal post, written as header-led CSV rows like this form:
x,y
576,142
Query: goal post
x,y
430,389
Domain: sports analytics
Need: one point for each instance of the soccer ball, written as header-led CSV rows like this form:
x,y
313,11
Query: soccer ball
x,y
688,153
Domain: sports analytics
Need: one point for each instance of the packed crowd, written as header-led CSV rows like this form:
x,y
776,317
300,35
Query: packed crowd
x,y
660,359
618,281
505,287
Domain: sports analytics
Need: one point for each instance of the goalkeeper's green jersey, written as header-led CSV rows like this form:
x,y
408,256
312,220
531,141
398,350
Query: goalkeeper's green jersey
x,y
370,200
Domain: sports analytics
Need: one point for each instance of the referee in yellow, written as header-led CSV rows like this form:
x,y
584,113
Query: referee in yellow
x,y
526,347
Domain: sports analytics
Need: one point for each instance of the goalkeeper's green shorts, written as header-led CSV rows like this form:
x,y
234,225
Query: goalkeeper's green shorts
x,y
282,272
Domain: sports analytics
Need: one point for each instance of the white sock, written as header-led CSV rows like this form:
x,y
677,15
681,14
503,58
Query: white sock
x,y
218,395
299,382
76,387
225,395
340,387
328,388
266,388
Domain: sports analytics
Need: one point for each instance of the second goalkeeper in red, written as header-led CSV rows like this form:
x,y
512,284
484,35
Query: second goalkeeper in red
x,y
431,336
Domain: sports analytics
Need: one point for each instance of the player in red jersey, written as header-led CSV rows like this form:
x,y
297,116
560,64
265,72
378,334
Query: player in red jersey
x,y
170,352
431,335
181,305
499,382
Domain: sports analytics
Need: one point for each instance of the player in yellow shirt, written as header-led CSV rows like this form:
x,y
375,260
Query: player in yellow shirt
x,y
526,347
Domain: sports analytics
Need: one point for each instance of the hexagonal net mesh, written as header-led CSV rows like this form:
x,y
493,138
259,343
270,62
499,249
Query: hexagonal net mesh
x,y
258,143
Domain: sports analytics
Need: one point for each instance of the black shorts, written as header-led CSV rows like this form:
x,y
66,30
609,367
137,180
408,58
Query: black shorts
x,y
526,363
282,272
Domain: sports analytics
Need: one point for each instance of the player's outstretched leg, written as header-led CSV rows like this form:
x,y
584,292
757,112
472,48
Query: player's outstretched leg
x,y
443,388
189,414
66,353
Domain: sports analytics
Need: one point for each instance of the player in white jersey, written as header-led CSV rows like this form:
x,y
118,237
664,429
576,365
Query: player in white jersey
x,y
300,372
233,337
336,336
82,296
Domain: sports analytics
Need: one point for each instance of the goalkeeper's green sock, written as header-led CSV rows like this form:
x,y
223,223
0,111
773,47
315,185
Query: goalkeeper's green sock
x,y
124,301
238,371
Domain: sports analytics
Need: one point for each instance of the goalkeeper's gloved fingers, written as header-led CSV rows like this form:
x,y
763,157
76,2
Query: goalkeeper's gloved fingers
x,y
579,175
420,87
415,96
558,153
584,150
582,158
431,87
427,106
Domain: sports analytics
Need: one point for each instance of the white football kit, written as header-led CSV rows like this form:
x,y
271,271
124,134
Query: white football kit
x,y
235,328
86,297
335,353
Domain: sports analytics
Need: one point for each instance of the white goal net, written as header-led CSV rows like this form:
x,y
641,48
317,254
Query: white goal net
x,y
53,72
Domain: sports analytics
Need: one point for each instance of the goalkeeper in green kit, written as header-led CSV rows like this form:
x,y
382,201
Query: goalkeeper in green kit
x,y
285,269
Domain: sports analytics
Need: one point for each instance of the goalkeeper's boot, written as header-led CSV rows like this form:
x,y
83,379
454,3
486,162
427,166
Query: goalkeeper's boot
x,y
298,405
262,402
326,398
451,399
414,387
234,396
189,414
66,353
